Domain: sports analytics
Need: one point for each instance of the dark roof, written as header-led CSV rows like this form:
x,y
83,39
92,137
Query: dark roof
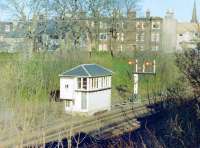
x,y
15,34
87,70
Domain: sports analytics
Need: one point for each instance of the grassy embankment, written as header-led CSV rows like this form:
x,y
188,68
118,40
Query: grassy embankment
x,y
25,84
34,78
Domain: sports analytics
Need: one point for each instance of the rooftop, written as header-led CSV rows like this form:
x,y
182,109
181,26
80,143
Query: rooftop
x,y
87,70
187,27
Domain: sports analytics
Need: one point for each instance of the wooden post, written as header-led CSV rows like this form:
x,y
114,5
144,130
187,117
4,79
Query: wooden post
x,y
69,142
154,66
136,65
135,84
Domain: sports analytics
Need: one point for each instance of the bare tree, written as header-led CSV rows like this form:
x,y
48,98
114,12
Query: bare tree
x,y
130,5
27,13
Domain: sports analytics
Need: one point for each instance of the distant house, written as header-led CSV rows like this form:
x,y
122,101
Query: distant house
x,y
187,36
11,37
86,88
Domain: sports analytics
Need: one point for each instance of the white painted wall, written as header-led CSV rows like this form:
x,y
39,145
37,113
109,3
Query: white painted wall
x,y
77,105
67,88
98,101
169,32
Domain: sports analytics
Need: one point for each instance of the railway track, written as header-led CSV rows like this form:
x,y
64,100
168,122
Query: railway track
x,y
122,118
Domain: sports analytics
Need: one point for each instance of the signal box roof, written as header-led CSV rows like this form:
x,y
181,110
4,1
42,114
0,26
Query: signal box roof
x,y
87,70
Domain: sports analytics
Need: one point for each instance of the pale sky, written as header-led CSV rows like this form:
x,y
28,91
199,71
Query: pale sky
x,y
182,8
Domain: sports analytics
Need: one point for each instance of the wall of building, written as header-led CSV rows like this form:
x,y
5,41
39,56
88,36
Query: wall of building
x,y
187,35
169,32
98,101
185,41
67,88
97,95
130,33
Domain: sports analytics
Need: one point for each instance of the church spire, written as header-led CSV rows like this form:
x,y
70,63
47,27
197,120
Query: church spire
x,y
194,14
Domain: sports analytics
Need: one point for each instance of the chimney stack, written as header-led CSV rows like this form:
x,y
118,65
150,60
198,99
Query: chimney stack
x,y
132,14
148,13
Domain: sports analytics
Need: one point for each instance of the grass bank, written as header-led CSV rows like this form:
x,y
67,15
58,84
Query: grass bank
x,y
34,78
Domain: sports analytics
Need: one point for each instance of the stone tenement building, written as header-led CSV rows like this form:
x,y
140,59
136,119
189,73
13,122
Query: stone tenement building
x,y
153,33
131,33
116,33
148,32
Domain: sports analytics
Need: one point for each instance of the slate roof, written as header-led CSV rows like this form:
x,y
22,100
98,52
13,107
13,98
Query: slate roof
x,y
87,70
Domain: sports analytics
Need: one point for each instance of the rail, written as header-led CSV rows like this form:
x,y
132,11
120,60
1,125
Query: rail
x,y
120,116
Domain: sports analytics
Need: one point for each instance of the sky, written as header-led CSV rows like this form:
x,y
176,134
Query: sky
x,y
182,8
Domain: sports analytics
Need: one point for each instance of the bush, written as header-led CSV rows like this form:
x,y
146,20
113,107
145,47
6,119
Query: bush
x,y
189,63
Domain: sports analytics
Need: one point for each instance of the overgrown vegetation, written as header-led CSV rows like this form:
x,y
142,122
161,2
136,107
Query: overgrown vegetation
x,y
35,78
189,63
26,84
177,125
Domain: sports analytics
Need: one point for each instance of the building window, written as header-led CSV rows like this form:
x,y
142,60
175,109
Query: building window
x,y
156,25
84,83
118,36
94,83
118,26
101,82
140,47
140,25
68,103
97,82
122,25
7,28
140,37
103,36
79,83
137,37
92,24
102,86
1,38
103,25
122,37
155,37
